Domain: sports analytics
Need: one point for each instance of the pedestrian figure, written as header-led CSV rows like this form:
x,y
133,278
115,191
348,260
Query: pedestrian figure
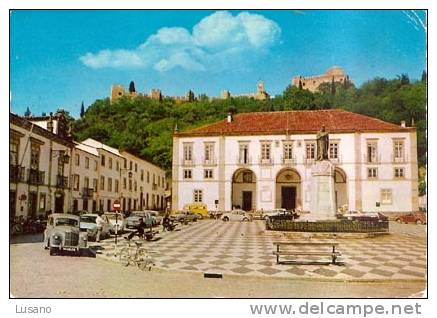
x,y
99,222
139,232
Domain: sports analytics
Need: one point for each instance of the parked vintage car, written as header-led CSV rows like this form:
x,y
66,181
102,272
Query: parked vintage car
x,y
237,215
62,233
268,213
133,220
201,209
184,217
88,224
363,216
116,220
418,218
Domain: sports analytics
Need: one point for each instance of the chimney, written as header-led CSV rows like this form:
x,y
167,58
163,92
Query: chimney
x,y
230,117
403,124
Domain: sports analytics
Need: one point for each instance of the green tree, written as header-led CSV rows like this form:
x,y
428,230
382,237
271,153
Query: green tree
x,y
82,110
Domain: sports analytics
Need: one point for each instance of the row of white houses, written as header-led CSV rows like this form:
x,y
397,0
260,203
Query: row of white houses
x,y
49,172
263,161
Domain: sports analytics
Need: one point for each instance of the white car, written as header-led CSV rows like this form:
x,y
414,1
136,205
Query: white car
x,y
269,213
88,225
116,220
236,215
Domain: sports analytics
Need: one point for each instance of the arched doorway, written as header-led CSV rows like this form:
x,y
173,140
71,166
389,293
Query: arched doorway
x,y
288,189
244,190
340,188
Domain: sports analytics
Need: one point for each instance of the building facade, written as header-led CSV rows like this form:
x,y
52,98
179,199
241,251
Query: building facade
x,y
39,169
264,160
50,173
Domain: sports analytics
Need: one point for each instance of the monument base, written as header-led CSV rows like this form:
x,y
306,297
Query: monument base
x,y
322,192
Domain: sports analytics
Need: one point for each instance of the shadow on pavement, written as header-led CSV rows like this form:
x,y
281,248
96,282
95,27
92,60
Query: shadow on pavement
x,y
27,238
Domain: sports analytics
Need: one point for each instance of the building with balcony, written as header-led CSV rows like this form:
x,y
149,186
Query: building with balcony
x,y
143,184
263,161
39,169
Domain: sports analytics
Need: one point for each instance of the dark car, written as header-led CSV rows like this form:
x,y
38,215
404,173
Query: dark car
x,y
418,218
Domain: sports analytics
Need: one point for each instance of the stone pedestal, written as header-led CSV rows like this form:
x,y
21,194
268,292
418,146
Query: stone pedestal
x,y
322,191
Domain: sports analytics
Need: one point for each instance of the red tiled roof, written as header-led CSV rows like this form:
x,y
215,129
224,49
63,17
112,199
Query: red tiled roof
x,y
295,122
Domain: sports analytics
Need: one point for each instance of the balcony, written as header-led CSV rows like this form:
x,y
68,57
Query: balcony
x,y
61,182
373,160
265,161
210,162
87,193
403,159
288,161
242,161
187,163
16,173
336,161
35,176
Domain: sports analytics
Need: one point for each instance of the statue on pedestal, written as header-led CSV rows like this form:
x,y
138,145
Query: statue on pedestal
x,y
322,144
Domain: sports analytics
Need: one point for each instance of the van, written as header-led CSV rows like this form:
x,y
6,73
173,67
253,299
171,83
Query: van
x,y
197,208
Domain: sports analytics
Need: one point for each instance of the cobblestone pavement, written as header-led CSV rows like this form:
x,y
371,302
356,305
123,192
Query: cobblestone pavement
x,y
244,248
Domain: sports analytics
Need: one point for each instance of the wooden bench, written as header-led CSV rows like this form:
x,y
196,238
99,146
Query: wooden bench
x,y
332,250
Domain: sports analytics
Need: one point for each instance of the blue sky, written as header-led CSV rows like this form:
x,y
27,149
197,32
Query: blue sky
x,y
61,58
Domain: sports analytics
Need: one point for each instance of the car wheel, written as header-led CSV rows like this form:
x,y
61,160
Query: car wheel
x,y
419,222
226,219
53,250
245,220
399,220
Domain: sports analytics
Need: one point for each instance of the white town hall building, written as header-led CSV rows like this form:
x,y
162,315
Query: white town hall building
x,y
263,161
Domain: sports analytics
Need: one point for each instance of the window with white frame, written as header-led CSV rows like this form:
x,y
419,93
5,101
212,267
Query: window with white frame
x,y
265,150
208,173
188,174
243,153
110,184
288,150
116,186
188,152
209,152
95,185
87,163
399,172
372,173
77,159
197,195
110,163
386,196
76,182
333,150
398,149
372,151
310,150
102,183
86,182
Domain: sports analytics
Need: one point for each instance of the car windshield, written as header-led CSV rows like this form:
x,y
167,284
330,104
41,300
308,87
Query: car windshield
x,y
65,221
88,219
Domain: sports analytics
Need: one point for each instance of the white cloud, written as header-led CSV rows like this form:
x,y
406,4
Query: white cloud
x,y
218,41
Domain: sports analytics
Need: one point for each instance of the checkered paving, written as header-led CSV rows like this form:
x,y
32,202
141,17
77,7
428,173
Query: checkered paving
x,y
244,248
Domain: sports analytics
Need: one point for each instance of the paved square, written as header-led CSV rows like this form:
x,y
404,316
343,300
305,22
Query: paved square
x,y
244,248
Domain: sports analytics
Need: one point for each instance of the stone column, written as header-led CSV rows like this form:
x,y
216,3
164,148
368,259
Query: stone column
x,y
323,193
